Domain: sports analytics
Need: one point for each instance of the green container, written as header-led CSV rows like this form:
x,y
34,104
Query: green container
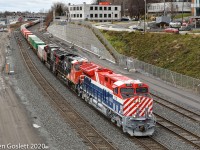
x,y
31,36
36,43
32,39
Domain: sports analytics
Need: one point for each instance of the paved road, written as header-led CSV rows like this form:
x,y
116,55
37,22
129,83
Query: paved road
x,y
15,126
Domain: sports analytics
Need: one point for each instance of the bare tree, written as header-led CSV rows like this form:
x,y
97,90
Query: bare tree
x,y
49,18
59,8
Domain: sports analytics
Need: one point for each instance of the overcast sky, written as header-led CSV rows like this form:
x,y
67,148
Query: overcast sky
x,y
34,5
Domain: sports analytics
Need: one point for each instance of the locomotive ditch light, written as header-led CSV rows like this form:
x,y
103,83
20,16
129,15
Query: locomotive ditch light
x,y
133,116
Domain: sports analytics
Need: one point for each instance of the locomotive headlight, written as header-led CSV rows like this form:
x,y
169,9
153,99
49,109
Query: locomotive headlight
x,y
133,116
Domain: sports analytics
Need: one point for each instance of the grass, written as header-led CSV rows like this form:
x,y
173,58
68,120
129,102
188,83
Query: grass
x,y
179,53
180,15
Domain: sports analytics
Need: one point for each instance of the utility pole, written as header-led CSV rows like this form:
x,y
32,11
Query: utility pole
x,y
53,15
145,5
182,11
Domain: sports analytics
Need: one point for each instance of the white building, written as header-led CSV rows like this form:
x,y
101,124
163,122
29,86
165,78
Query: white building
x,y
101,13
168,7
195,7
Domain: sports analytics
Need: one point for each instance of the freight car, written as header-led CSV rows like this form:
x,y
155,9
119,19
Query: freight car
x,y
125,101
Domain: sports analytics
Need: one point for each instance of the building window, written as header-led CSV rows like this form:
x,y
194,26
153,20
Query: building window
x,y
91,15
109,8
77,8
96,8
109,15
80,8
96,15
74,8
115,8
100,15
77,15
105,15
74,15
81,15
100,8
116,15
105,8
70,8
71,15
91,8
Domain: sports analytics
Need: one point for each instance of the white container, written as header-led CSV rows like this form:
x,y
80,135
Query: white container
x,y
40,52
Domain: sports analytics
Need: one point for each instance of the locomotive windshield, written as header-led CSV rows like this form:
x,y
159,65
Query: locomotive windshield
x,y
127,92
142,90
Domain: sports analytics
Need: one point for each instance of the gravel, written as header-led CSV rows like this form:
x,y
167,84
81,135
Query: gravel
x,y
103,125
57,134
96,119
182,121
170,141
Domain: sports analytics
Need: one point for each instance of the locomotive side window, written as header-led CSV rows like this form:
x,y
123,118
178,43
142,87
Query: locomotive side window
x,y
115,90
142,90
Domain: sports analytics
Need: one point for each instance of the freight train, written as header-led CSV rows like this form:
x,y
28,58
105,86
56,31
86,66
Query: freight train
x,y
124,101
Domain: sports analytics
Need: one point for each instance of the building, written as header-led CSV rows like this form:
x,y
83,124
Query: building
x,y
177,6
195,7
101,13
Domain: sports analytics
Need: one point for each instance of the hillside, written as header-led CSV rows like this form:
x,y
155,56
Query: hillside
x,y
179,53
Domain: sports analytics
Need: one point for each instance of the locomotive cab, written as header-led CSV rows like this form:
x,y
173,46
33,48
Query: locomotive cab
x,y
130,89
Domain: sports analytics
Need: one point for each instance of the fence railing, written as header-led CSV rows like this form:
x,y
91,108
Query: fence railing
x,y
176,79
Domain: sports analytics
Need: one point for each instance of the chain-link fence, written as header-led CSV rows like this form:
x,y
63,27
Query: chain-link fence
x,y
170,77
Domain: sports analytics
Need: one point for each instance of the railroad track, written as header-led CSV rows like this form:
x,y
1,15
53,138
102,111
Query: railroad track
x,y
149,142
181,110
182,133
178,109
91,137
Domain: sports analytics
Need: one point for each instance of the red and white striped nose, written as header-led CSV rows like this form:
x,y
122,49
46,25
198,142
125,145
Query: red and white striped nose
x,y
137,105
